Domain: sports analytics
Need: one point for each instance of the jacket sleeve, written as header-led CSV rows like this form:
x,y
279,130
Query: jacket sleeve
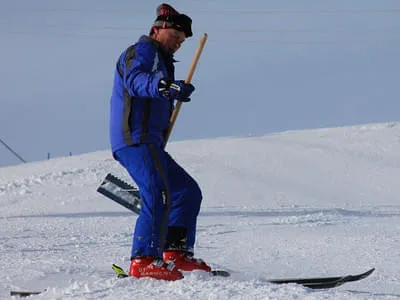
x,y
139,71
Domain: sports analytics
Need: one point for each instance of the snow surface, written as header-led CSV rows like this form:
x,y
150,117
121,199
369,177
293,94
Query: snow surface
x,y
302,203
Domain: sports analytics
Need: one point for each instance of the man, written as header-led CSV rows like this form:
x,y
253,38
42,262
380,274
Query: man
x,y
141,106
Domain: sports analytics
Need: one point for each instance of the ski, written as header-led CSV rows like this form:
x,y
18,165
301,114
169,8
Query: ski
x,y
24,293
221,273
323,282
122,274
121,192
312,282
119,271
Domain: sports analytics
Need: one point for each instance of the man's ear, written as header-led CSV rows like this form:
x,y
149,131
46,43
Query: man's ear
x,y
155,31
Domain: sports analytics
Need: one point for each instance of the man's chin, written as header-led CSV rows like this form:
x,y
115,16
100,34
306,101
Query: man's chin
x,y
172,49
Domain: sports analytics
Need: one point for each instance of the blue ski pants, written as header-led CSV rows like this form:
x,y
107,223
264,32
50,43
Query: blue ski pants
x,y
170,197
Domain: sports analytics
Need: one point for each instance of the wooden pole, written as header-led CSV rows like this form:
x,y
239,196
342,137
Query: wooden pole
x,y
187,80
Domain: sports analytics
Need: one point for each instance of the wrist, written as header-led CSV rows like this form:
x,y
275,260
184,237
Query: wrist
x,y
164,86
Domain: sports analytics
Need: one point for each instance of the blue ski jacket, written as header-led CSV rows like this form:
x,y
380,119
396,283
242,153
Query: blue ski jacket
x,y
138,114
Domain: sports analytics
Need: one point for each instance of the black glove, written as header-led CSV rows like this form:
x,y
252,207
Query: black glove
x,y
175,89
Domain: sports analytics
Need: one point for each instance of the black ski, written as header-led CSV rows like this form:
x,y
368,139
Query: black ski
x,y
323,282
313,283
221,273
121,192
23,293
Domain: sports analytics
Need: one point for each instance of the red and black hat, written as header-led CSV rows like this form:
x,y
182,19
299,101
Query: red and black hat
x,y
168,17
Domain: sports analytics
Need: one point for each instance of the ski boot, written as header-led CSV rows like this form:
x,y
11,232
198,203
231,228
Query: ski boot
x,y
184,261
149,266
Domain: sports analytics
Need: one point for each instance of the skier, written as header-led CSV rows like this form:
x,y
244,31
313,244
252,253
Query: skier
x,y
140,109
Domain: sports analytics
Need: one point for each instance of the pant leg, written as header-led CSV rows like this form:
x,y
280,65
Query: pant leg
x,y
186,199
147,166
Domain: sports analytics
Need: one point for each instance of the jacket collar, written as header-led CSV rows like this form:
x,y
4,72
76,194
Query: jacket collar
x,y
158,45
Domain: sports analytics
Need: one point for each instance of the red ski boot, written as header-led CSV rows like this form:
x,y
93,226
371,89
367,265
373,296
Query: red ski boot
x,y
148,266
185,262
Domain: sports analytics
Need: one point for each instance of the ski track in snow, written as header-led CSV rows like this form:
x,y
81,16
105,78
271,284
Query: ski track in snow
x,y
259,219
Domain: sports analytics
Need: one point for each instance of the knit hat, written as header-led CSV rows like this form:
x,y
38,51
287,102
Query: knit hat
x,y
168,17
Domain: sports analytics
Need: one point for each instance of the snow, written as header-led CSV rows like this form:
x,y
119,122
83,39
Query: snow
x,y
300,203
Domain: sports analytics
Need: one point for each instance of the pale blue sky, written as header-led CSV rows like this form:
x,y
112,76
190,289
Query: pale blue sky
x,y
268,66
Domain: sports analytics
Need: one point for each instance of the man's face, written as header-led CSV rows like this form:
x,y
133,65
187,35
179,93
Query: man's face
x,y
170,38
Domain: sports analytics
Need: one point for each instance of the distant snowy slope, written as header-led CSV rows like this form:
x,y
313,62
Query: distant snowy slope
x,y
316,202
